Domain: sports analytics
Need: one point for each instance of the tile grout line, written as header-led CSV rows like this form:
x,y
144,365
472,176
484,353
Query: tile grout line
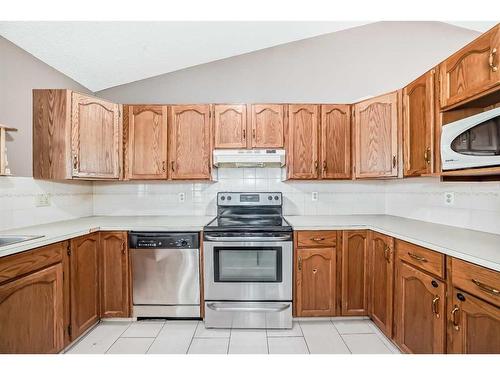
x,y
303,337
229,340
152,342
347,346
118,338
192,337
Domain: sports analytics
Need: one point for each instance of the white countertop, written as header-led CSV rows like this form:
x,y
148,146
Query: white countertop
x,y
477,247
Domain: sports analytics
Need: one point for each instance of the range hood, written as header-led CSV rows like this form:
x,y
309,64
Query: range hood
x,y
242,158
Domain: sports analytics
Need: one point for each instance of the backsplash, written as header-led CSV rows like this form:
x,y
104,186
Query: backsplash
x,y
68,200
476,205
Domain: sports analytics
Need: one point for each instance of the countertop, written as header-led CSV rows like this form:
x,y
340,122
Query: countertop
x,y
477,247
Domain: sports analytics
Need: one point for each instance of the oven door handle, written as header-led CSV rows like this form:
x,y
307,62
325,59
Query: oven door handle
x,y
248,239
238,308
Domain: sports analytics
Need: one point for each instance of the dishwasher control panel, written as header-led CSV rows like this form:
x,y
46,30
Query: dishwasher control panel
x,y
163,240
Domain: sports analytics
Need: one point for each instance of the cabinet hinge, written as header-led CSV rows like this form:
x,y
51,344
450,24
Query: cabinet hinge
x,y
68,250
69,330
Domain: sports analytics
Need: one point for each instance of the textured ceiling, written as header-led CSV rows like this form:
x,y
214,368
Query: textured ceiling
x,y
100,55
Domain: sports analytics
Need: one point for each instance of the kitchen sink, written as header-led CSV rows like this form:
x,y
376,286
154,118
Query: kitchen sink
x,y
8,239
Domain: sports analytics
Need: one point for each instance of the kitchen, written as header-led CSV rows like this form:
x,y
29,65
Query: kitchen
x,y
264,224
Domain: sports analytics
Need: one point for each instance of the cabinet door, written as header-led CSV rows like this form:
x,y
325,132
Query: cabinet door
x,y
376,137
146,142
316,282
267,126
418,125
419,302
96,138
474,326
381,261
473,69
303,134
230,126
114,266
84,270
190,147
335,141
31,313
354,273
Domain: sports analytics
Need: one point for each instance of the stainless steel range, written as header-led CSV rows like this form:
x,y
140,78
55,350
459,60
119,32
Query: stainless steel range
x,y
248,255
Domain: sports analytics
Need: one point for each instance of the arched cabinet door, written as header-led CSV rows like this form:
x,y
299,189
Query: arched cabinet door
x,y
145,129
230,126
315,272
303,141
267,125
190,142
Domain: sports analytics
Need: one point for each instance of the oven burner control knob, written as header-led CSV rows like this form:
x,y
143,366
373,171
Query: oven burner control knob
x,y
276,198
229,198
223,198
270,198
184,243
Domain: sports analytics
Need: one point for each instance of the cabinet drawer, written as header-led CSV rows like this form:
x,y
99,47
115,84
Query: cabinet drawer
x,y
23,263
421,257
316,238
477,280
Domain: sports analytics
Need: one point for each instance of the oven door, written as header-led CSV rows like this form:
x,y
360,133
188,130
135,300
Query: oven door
x,y
248,270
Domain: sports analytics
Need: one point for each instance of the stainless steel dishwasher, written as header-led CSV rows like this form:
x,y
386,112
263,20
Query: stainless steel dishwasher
x,y
165,274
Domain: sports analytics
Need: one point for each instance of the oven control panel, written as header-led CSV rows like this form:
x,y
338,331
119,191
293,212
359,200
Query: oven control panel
x,y
249,199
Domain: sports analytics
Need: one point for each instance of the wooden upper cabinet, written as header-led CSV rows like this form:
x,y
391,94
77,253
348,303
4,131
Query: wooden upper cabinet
x,y
230,126
381,281
474,326
315,286
418,125
96,137
472,70
190,143
376,125
145,129
302,144
354,272
419,308
114,274
267,125
84,271
335,141
31,313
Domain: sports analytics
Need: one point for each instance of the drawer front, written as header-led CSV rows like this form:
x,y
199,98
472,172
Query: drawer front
x,y
478,281
26,262
316,238
421,257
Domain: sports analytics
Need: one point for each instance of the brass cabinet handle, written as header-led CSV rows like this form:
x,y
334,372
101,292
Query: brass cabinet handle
x,y
317,239
454,320
417,257
164,166
324,165
493,67
316,165
75,161
253,133
172,164
300,263
386,254
435,308
394,161
427,155
486,288
123,248
244,134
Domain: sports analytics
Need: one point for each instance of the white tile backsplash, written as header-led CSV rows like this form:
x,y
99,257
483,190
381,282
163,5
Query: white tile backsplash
x,y
477,205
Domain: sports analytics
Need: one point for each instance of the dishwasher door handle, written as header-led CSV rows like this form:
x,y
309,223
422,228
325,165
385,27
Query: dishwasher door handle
x,y
238,307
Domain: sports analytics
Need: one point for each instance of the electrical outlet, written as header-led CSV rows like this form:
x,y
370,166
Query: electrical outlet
x,y
449,198
42,200
314,196
182,197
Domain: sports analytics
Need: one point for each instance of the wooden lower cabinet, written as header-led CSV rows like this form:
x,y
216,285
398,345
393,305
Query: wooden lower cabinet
x,y
381,281
84,271
474,325
114,274
354,272
31,312
419,311
315,282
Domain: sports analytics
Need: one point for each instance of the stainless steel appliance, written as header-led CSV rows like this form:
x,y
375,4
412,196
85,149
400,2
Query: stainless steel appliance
x,y
165,274
472,142
248,255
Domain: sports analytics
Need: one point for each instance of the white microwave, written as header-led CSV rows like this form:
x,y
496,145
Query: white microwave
x,y
472,142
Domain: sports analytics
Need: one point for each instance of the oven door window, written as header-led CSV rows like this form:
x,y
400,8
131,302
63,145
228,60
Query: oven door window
x,y
247,264
481,140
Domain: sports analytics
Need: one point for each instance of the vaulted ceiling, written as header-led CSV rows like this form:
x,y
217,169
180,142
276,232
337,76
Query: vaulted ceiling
x,y
100,55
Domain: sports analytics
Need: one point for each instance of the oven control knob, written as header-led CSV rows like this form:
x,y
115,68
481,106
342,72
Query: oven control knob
x,y
184,243
270,198
229,198
223,198
276,198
